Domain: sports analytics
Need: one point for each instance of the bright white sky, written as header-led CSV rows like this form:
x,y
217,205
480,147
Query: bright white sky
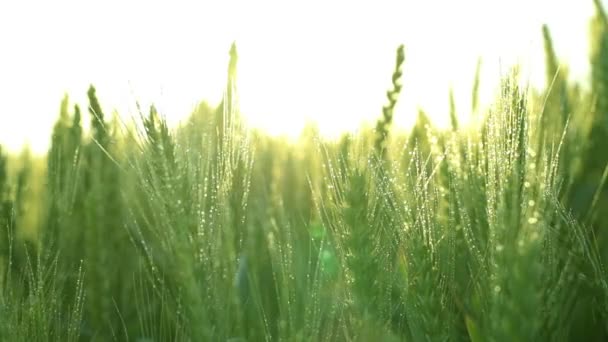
x,y
327,61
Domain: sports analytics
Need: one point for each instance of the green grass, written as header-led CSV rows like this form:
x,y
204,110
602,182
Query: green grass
x,y
213,232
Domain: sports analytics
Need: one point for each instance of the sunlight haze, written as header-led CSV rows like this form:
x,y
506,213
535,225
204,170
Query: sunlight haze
x,y
329,62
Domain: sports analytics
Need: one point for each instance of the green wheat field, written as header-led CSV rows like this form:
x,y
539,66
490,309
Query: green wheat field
x,y
493,231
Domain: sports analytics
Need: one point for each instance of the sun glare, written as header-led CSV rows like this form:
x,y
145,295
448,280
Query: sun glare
x,y
314,61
